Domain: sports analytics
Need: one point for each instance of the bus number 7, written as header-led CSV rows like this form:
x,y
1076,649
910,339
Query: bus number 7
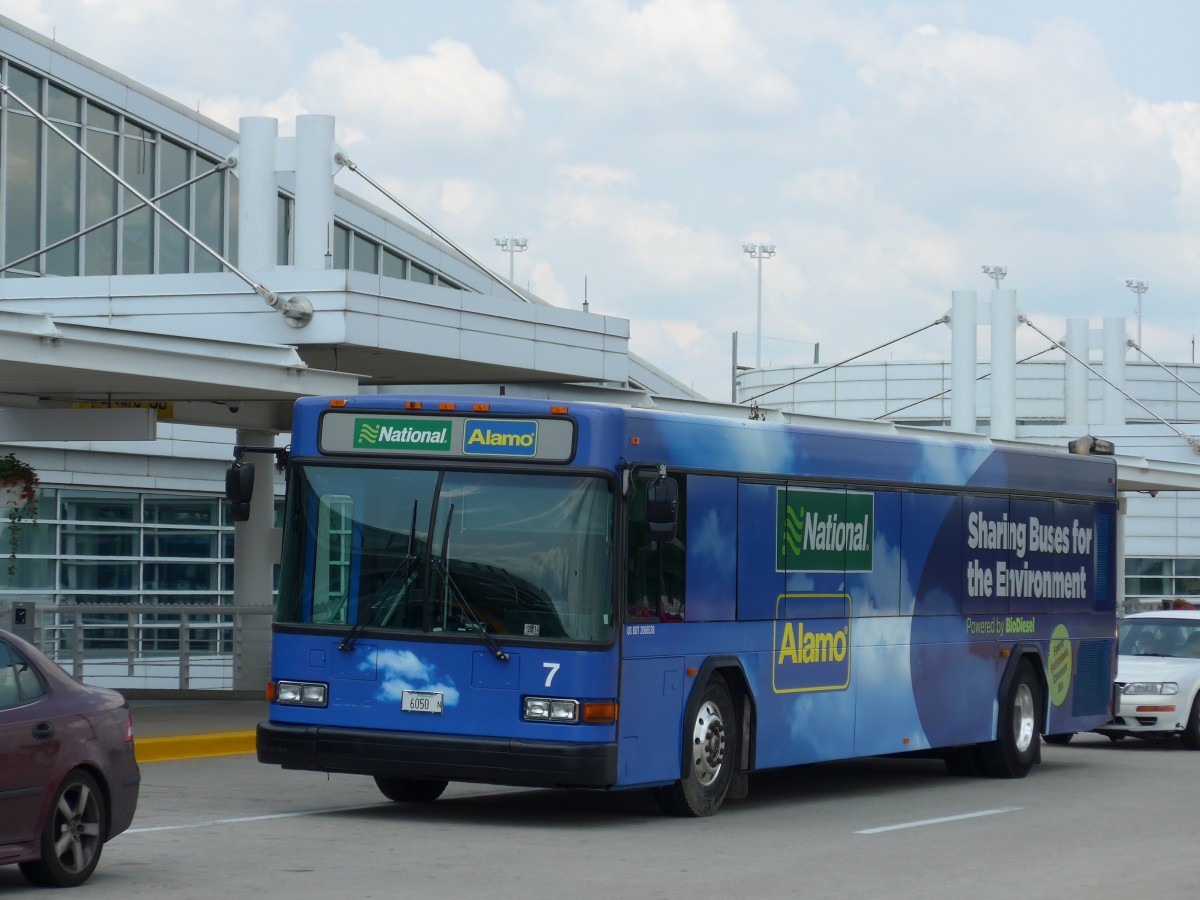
x,y
553,667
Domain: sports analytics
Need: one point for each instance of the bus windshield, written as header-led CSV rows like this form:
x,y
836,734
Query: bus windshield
x,y
422,550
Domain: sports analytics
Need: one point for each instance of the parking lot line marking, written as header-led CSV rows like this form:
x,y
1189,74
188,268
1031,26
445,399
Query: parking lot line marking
x,y
239,821
939,821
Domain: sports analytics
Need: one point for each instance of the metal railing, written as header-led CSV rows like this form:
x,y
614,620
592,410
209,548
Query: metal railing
x,y
183,647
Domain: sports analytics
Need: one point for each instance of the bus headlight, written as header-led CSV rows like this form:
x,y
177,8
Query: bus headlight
x,y
301,693
547,709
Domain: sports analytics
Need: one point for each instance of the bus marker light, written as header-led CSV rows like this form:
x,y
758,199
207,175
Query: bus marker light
x,y
692,671
270,692
337,404
412,404
446,407
481,407
635,441
600,712
558,410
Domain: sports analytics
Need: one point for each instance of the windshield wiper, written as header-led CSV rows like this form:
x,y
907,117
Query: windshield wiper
x,y
403,572
449,587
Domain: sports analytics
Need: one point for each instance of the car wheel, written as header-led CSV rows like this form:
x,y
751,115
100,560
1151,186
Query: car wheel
x,y
410,790
1191,735
1015,749
1058,738
709,755
73,835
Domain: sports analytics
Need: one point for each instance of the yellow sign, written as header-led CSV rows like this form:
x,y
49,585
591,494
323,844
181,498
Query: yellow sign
x,y
166,409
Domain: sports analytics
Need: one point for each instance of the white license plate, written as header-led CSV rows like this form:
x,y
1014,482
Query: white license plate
x,y
421,701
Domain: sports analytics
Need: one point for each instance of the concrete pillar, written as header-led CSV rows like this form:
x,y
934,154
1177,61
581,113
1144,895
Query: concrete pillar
x,y
1076,376
257,194
1004,365
256,550
314,190
964,354
1115,345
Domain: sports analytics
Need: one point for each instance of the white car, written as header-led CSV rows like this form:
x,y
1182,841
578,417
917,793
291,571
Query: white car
x,y
1158,677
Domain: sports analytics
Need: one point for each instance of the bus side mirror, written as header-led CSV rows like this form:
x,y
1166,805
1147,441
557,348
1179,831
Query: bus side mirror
x,y
662,508
239,488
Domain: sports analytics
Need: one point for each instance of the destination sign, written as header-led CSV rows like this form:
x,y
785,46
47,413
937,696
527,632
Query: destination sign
x,y
442,436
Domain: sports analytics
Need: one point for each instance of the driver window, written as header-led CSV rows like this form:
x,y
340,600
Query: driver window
x,y
657,570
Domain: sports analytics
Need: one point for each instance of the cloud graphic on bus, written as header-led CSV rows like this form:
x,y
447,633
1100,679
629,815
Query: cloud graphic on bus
x,y
403,670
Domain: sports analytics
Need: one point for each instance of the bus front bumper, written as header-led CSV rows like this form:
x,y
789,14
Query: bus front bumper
x,y
360,751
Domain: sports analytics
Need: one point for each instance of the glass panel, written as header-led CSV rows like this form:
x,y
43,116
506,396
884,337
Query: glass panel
x,y
394,265
1147,566
1154,586
1188,587
100,506
1189,567
34,539
98,117
32,574
63,105
341,247
173,243
97,575
230,249
137,235
62,202
25,85
181,510
208,216
195,544
283,235
365,255
21,212
419,273
180,576
98,540
100,198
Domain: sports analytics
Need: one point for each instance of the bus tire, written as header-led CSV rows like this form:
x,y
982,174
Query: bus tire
x,y
710,752
1191,734
1058,738
1015,749
410,790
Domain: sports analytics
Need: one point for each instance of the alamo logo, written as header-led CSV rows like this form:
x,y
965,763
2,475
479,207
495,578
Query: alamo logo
x,y
500,437
811,655
824,531
421,435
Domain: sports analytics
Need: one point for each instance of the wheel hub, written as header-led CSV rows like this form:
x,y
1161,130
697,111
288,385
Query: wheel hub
x,y
708,744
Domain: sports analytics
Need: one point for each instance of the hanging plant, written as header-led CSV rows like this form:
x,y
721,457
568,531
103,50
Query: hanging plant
x,y
18,493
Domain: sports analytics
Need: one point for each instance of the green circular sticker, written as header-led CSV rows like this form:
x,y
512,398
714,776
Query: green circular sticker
x,y
1060,664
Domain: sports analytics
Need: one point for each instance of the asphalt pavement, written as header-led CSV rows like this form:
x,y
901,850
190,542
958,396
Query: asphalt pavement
x,y
190,729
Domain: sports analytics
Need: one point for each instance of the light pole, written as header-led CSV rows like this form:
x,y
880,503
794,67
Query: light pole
x,y
759,252
996,273
512,246
1139,288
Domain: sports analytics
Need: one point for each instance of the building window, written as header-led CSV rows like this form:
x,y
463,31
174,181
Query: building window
x,y
1160,582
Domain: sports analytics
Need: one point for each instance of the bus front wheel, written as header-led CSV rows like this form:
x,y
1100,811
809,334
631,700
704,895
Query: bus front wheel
x,y
1015,749
709,754
410,790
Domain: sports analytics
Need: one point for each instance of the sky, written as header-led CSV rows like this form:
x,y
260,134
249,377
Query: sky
x,y
889,151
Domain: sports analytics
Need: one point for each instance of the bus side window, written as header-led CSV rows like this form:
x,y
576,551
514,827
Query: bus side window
x,y
657,570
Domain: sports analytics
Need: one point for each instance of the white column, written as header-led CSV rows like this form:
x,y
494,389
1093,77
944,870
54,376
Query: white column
x,y
257,194
314,190
1115,345
964,355
255,553
1004,365
1075,376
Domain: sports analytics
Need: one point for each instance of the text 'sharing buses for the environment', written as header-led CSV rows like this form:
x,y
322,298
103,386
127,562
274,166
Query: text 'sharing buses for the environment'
x,y
517,592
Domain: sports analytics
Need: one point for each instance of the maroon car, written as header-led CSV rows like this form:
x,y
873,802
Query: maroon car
x,y
68,777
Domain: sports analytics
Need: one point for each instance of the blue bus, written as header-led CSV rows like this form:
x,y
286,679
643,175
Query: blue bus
x,y
522,592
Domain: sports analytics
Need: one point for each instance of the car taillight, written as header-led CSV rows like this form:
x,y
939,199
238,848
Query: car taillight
x,y
128,726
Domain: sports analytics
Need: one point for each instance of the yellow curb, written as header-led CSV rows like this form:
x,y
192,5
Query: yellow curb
x,y
190,746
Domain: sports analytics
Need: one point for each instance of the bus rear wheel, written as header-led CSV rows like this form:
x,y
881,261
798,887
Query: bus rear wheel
x,y
1015,749
709,754
410,790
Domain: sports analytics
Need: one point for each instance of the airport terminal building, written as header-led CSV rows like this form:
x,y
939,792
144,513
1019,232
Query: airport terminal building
x,y
134,357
